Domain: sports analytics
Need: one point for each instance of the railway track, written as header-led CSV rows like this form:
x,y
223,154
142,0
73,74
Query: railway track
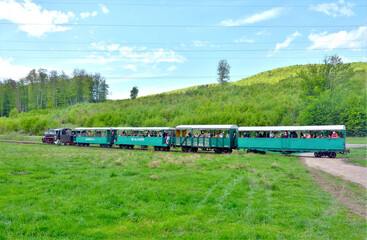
x,y
111,148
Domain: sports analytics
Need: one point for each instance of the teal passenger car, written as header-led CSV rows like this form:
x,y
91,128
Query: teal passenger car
x,y
104,136
220,138
321,140
158,137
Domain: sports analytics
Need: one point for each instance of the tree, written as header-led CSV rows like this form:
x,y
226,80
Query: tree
x,y
134,92
321,78
223,71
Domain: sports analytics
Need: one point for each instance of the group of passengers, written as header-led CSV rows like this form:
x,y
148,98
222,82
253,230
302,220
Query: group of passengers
x,y
142,134
208,135
90,134
287,134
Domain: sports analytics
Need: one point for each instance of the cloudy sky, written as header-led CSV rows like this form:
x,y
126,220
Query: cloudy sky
x,y
161,45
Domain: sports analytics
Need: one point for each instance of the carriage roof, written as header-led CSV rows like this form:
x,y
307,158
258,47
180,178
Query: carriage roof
x,y
294,128
206,127
145,128
93,129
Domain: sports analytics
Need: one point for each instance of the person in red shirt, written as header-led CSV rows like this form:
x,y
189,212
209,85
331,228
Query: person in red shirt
x,y
334,135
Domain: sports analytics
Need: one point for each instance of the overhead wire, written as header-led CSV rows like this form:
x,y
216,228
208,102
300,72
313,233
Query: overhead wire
x,y
177,26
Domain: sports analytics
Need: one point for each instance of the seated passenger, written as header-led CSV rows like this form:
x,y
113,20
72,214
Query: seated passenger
x,y
334,135
286,135
271,135
308,135
227,135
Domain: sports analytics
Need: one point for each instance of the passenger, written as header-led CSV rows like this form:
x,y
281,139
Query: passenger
x,y
271,135
257,135
301,135
334,135
308,135
286,135
294,134
221,135
227,135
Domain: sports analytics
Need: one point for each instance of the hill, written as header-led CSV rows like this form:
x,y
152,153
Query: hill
x,y
274,97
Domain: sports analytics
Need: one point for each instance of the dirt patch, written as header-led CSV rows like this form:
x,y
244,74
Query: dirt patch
x,y
155,176
19,173
154,164
354,202
338,167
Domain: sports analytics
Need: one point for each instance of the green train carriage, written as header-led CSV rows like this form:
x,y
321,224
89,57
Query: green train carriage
x,y
103,136
158,137
220,138
315,139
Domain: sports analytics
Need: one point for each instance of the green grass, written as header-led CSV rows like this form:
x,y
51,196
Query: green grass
x,y
356,140
76,193
358,155
20,137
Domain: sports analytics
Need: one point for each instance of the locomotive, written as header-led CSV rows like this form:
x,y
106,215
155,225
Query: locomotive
x,y
63,136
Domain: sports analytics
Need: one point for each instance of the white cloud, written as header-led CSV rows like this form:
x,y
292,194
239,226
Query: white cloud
x,y
104,9
345,59
354,39
263,16
287,41
107,69
172,68
142,55
198,43
263,32
336,9
88,14
28,12
244,39
131,67
113,47
7,70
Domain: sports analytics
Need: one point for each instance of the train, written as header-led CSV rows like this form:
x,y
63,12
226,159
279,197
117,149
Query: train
x,y
328,140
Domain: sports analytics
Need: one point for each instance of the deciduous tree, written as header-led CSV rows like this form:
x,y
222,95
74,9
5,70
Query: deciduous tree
x,y
223,71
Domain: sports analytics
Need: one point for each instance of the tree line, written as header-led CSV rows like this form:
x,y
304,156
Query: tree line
x,y
42,89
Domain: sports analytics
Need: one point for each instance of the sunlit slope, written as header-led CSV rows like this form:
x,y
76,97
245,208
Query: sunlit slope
x,y
269,98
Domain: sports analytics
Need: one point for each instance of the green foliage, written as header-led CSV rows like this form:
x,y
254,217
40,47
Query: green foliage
x,y
52,192
134,92
260,103
223,71
13,113
334,94
43,90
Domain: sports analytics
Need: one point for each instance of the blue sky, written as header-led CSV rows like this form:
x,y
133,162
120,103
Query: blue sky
x,y
160,45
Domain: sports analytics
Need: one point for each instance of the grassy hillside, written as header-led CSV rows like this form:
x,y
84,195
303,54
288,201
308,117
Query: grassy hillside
x,y
48,192
269,98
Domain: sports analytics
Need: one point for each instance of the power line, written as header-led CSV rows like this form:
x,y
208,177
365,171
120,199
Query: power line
x,y
178,50
175,43
178,5
168,59
179,26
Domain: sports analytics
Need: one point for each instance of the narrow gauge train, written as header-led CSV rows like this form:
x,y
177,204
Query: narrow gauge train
x,y
321,140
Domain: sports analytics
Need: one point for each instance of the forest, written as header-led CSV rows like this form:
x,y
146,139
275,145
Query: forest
x,y
41,89
312,94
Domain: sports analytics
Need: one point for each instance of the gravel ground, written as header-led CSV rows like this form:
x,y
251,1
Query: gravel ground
x,y
338,167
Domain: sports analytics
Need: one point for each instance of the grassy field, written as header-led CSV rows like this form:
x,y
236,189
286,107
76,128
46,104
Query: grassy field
x,y
20,138
357,155
76,193
356,140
